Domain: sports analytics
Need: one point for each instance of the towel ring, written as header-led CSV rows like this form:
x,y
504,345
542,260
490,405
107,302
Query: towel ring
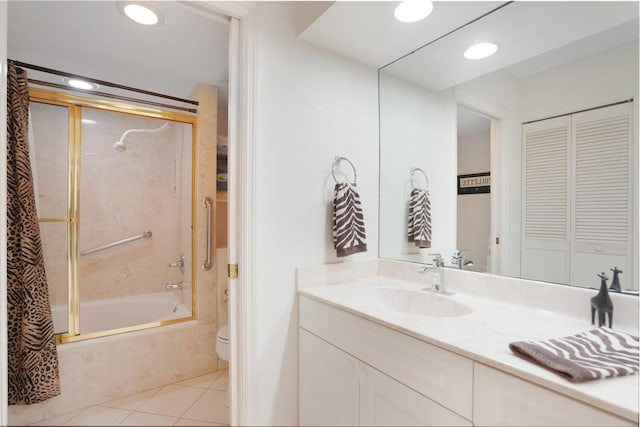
x,y
412,175
337,163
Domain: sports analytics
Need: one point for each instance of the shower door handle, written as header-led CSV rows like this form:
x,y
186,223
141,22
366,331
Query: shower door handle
x,y
207,202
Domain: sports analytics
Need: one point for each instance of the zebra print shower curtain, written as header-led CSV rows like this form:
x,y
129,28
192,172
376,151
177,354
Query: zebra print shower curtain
x,y
33,358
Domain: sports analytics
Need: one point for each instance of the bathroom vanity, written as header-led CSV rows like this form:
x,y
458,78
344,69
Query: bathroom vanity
x,y
377,349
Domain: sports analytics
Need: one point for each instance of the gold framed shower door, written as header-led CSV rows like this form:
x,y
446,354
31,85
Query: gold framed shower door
x,y
75,105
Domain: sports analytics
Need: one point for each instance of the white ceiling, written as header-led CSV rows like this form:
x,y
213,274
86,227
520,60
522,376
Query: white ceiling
x,y
94,39
369,33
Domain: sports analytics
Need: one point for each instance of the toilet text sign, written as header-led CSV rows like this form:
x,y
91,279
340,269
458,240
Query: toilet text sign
x,y
474,183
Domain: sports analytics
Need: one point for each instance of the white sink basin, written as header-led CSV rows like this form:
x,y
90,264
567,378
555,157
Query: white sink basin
x,y
409,301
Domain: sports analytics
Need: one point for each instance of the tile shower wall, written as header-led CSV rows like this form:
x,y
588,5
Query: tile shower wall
x,y
122,194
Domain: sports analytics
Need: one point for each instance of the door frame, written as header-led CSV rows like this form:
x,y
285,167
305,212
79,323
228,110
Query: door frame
x,y
499,219
241,202
492,248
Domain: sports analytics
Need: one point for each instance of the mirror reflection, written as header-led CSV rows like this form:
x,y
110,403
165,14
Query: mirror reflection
x,y
531,153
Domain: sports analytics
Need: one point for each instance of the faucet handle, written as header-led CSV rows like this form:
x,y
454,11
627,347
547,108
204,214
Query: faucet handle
x,y
438,261
458,253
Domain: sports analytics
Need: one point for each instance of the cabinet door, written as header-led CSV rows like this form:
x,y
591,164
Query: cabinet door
x,y
328,384
387,402
603,164
500,399
546,201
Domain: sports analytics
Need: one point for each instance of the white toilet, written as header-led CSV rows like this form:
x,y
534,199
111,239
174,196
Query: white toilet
x,y
222,343
222,348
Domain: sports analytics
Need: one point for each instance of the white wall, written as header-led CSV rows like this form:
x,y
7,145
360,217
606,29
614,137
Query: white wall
x,y
416,130
311,105
584,83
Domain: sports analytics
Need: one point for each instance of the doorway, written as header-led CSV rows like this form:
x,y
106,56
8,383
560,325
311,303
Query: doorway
x,y
125,71
474,188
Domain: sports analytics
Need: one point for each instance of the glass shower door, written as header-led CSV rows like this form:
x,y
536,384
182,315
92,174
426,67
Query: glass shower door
x,y
113,186
135,219
49,153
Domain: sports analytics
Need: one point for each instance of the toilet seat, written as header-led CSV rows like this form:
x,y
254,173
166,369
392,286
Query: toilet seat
x,y
223,334
222,343
222,349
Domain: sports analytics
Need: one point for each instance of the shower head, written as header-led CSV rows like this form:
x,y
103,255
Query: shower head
x,y
121,146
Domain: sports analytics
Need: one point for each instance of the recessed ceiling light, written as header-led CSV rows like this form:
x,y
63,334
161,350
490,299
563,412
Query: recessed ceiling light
x,y
413,10
89,122
81,84
140,12
481,50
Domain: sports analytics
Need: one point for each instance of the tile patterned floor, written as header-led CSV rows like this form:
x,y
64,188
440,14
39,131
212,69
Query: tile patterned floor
x,y
197,401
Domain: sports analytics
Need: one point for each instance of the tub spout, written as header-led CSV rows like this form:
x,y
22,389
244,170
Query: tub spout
x,y
172,286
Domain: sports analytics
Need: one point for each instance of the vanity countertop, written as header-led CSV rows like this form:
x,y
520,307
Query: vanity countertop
x,y
484,336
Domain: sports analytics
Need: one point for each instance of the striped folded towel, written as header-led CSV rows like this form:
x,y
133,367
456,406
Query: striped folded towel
x,y
419,224
599,353
348,221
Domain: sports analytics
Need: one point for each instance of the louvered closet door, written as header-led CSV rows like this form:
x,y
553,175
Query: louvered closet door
x,y
546,203
602,204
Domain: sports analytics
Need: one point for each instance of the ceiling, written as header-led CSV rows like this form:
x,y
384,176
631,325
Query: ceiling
x,y
369,33
94,39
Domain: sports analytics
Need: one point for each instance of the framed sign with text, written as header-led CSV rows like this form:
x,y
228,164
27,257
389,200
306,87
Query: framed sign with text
x,y
474,183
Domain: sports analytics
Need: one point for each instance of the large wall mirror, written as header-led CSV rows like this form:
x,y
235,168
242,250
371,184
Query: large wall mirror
x,y
530,156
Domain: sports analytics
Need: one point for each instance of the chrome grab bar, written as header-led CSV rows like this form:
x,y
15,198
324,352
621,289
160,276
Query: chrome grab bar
x,y
146,234
207,202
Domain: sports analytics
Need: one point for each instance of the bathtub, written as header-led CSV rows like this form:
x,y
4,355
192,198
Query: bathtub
x,y
104,368
122,312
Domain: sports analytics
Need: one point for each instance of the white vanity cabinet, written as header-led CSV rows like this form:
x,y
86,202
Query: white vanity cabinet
x,y
387,402
328,384
504,400
337,389
357,372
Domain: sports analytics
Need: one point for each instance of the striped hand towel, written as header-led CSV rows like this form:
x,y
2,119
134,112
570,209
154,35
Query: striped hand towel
x,y
599,353
348,221
419,225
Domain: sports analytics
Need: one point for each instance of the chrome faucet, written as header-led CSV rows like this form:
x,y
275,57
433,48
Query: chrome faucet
x,y
458,260
178,263
172,286
437,281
